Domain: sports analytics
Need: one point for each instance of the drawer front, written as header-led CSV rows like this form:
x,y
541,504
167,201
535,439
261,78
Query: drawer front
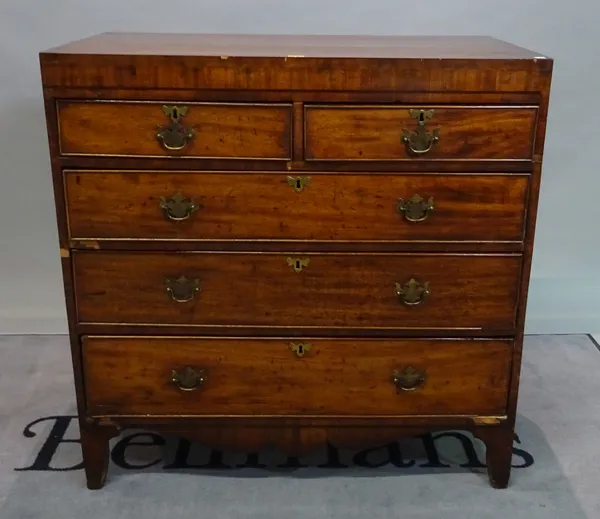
x,y
190,376
277,206
384,133
304,290
201,130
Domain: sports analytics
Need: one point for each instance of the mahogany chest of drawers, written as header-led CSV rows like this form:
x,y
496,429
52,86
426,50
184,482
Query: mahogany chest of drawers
x,y
296,240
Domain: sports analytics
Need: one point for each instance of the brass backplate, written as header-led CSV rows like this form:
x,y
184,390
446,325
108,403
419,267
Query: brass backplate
x,y
182,289
412,292
420,141
175,136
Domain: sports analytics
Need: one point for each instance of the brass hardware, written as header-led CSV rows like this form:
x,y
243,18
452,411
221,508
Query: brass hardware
x,y
175,136
298,263
178,207
420,141
408,379
107,422
298,183
415,209
86,244
412,292
489,420
182,289
188,379
300,348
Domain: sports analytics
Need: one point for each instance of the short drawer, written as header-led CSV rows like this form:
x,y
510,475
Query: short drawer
x,y
200,130
277,206
392,133
303,290
254,377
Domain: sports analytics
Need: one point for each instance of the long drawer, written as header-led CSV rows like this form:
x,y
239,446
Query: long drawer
x,y
394,132
278,206
194,376
201,130
278,289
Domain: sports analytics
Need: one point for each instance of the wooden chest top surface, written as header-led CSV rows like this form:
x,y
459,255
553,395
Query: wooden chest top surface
x,y
292,62
314,46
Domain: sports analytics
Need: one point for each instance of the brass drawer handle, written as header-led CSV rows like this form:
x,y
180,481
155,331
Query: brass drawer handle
x,y
416,208
298,183
300,348
175,136
188,379
419,141
177,207
182,289
412,292
408,379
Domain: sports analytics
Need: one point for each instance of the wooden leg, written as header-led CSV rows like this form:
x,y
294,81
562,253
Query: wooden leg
x,y
498,443
95,448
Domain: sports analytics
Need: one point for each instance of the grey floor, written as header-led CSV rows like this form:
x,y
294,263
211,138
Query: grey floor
x,y
556,458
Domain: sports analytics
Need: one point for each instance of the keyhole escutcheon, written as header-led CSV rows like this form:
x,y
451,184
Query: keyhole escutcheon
x,y
297,264
300,348
175,112
298,184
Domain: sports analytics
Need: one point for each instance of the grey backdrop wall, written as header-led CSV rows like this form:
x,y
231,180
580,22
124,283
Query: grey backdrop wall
x,y
565,291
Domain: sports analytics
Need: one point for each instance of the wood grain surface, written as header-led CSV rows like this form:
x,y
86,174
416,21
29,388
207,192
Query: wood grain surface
x,y
376,132
297,63
241,289
263,206
133,376
318,46
130,129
